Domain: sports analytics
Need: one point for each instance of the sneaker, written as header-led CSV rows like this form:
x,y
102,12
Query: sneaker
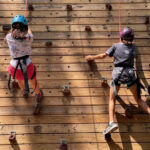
x,y
110,128
38,103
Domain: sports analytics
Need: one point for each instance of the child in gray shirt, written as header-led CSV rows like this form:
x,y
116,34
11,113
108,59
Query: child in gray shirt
x,y
123,73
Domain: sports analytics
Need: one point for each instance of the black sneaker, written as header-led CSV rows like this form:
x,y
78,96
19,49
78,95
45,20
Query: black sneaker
x,y
38,103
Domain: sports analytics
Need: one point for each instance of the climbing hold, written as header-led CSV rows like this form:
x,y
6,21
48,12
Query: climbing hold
x,y
12,137
48,43
69,7
104,82
6,27
15,85
147,20
108,137
90,62
63,144
66,90
30,7
88,28
108,7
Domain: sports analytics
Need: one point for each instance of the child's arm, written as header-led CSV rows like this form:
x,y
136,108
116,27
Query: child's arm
x,y
99,56
29,30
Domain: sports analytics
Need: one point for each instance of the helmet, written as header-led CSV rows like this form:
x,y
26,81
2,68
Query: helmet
x,y
20,19
127,34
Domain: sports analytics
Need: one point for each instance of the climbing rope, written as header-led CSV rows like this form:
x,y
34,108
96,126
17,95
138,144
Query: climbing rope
x,y
26,8
119,14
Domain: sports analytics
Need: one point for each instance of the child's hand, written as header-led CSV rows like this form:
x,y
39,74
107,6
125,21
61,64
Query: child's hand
x,y
89,58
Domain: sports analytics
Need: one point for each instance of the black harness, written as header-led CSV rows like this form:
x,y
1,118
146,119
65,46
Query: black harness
x,y
23,67
137,81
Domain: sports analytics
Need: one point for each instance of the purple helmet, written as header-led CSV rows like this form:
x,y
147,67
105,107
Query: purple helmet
x,y
127,34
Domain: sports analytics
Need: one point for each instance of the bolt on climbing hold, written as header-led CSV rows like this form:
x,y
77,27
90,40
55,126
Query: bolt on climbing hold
x,y
12,137
69,7
66,90
63,144
6,27
30,7
147,20
108,7
48,43
88,28
104,82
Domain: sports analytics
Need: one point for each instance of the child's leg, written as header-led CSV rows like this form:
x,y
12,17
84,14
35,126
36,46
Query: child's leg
x,y
21,85
140,102
35,86
112,101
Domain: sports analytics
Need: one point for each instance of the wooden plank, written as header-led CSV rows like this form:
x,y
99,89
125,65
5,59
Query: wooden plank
x,y
65,101
69,1
79,35
79,13
73,75
75,28
65,119
72,128
76,138
140,43
70,59
59,7
66,110
80,146
80,21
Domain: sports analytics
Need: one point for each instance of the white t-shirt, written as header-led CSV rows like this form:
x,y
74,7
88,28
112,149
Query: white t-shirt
x,y
19,48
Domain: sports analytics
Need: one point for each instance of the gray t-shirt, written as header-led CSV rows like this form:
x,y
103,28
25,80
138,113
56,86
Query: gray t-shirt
x,y
123,56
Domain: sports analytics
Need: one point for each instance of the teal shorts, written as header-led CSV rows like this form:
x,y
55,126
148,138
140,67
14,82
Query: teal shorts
x,y
128,84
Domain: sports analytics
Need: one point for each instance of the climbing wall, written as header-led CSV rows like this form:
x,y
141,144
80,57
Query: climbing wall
x,y
62,40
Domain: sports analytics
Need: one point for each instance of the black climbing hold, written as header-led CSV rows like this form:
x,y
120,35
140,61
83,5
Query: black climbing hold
x,y
30,7
108,137
147,20
6,27
48,43
108,6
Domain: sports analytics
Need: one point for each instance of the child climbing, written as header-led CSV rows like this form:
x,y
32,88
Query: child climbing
x,y
21,67
123,73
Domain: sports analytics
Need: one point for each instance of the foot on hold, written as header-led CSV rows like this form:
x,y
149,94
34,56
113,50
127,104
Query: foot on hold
x,y
25,94
39,98
110,128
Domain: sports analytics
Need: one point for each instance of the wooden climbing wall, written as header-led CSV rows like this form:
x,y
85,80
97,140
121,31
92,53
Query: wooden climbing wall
x,y
81,117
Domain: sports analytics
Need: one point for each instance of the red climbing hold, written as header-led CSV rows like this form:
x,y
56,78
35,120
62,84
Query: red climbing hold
x,y
88,28
69,7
